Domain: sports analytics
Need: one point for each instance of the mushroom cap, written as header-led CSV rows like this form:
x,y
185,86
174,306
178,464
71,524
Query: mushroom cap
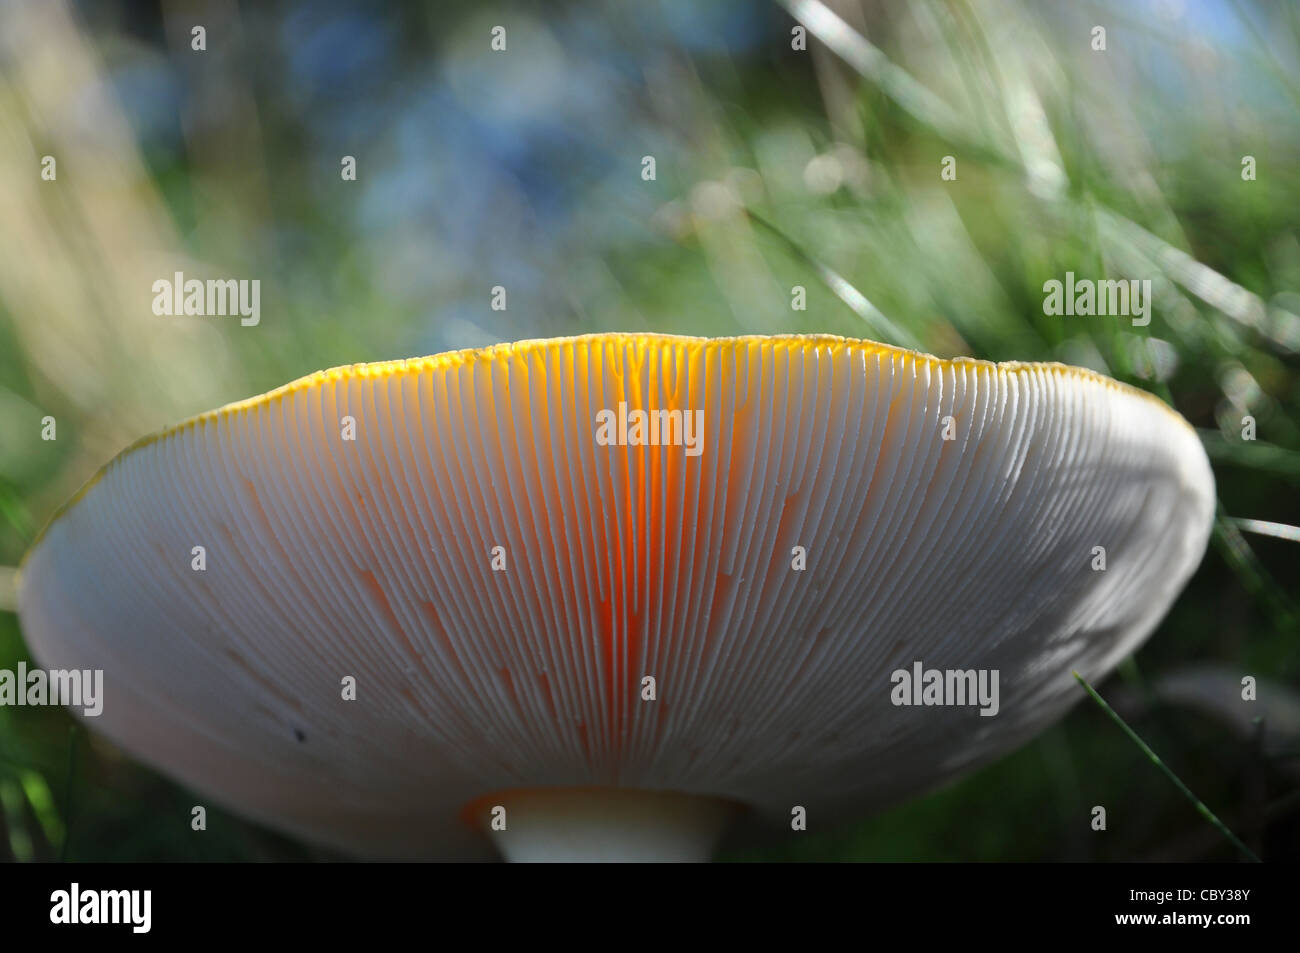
x,y
373,558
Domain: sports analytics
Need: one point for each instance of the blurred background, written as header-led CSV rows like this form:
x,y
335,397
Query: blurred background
x,y
775,166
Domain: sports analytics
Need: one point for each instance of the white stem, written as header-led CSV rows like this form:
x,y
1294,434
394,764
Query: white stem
x,y
608,824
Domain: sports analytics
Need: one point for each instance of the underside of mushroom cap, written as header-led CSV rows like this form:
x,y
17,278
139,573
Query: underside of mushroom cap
x,y
480,542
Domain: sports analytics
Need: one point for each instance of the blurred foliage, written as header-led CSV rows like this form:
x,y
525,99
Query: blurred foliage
x,y
775,167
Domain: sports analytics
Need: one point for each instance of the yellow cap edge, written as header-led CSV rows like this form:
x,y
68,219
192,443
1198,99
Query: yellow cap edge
x,y
469,355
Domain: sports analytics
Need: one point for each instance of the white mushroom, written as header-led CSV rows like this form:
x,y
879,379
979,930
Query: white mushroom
x,y
500,584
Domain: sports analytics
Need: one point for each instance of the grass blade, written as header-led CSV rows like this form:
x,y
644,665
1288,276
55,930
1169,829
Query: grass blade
x,y
1201,809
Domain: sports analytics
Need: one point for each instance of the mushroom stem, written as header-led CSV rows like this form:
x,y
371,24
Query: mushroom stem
x,y
579,825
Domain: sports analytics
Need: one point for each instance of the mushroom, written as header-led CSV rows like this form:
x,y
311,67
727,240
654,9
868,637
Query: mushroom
x,y
432,606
